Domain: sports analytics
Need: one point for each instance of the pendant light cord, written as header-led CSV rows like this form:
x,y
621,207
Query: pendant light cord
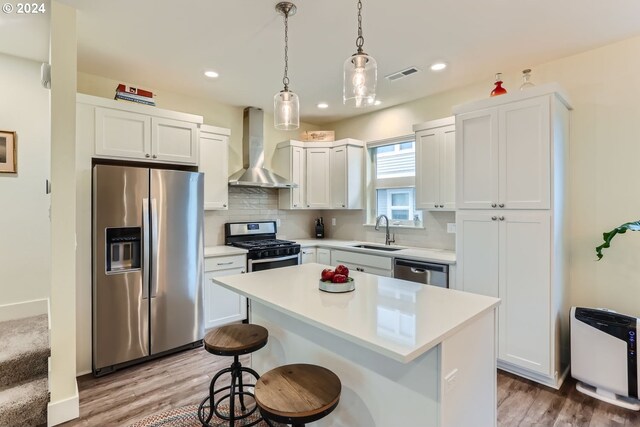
x,y
360,39
285,79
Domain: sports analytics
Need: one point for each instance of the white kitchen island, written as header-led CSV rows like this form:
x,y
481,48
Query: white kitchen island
x,y
407,354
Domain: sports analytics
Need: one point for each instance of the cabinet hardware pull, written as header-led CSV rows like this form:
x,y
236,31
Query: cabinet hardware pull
x,y
343,206
493,218
147,155
501,218
154,156
224,206
493,205
435,206
242,272
225,263
501,205
442,206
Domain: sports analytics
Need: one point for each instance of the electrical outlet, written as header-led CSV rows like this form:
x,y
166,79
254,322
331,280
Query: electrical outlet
x,y
451,227
278,223
333,221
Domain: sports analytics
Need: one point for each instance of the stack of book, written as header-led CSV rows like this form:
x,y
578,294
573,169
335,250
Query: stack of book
x,y
133,94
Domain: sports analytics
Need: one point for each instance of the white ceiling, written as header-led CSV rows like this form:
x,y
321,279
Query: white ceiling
x,y
162,44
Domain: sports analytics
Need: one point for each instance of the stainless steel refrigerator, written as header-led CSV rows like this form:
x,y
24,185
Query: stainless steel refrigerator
x,y
147,263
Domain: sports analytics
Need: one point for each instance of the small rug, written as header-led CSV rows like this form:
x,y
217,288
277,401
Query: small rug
x,y
187,416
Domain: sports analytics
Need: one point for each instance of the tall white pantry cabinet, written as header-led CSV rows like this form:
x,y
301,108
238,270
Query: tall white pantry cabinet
x,y
511,241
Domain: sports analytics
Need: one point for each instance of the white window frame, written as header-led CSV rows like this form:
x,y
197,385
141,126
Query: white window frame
x,y
391,207
373,184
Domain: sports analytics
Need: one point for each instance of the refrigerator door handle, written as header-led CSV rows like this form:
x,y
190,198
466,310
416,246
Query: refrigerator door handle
x,y
145,248
154,246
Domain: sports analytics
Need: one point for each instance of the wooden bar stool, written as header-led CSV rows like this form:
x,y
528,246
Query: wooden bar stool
x,y
232,340
297,394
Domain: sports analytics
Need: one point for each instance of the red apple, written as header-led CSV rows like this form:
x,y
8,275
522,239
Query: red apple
x,y
342,269
327,274
339,278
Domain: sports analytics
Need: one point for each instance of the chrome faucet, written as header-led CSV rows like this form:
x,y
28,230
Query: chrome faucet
x,y
387,240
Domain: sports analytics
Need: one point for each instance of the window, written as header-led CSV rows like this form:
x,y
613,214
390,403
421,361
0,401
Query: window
x,y
393,178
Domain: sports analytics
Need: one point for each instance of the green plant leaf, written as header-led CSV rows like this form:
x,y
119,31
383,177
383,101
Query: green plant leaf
x,y
607,237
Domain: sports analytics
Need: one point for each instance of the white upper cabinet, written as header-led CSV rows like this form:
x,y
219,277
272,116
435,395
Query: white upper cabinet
x,y
122,134
525,158
289,161
347,169
435,165
174,141
329,174
318,178
214,163
477,159
139,132
503,156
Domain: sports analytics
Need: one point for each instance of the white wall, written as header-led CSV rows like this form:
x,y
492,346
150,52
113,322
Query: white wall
x,y
25,259
604,87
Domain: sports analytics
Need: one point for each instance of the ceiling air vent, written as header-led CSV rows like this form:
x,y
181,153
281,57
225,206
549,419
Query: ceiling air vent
x,y
402,74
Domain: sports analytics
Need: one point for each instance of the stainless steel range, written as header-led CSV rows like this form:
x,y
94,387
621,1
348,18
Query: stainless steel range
x,y
259,238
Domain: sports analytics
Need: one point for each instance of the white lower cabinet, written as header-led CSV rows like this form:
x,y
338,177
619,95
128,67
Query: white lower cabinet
x,y
308,255
323,256
507,255
222,306
373,264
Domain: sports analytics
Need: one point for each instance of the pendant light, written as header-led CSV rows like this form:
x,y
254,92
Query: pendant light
x,y
286,105
360,73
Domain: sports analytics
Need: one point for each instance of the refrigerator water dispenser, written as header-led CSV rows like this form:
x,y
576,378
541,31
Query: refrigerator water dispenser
x,y
123,249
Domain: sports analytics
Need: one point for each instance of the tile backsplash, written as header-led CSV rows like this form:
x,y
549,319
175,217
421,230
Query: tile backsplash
x,y
349,226
253,204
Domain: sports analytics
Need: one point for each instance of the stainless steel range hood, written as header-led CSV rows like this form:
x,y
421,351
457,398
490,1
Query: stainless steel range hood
x,y
254,174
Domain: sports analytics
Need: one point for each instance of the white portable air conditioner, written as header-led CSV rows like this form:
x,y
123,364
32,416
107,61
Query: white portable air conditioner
x,y
604,355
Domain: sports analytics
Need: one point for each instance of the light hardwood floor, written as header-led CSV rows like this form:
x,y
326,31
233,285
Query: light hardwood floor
x,y
125,396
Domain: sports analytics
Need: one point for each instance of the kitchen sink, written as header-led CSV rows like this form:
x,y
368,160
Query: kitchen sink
x,y
378,248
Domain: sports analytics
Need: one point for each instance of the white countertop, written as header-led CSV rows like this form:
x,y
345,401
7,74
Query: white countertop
x,y
396,318
419,254
222,250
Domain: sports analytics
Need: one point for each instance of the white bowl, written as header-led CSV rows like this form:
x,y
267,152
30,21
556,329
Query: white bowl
x,y
348,286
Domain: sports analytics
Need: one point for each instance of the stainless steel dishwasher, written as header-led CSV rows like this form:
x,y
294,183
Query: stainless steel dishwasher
x,y
427,273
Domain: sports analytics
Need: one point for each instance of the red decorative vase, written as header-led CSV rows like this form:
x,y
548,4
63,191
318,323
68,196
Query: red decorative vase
x,y
498,90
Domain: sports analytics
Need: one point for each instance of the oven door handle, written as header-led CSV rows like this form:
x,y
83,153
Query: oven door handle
x,y
283,258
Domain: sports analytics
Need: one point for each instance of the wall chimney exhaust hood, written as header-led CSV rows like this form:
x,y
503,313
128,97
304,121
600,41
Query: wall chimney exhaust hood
x,y
254,174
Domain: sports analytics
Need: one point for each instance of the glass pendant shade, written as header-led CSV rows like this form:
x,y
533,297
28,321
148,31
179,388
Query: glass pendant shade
x,y
286,110
360,77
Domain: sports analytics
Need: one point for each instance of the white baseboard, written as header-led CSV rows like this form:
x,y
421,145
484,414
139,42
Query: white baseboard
x,y
63,410
24,309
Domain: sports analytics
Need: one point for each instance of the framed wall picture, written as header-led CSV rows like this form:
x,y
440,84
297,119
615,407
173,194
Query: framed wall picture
x,y
8,160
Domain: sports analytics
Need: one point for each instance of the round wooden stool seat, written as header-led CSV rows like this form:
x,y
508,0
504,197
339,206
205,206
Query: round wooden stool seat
x,y
233,340
297,394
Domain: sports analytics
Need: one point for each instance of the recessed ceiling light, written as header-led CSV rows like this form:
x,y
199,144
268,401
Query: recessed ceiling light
x,y
377,102
438,66
211,74
323,105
